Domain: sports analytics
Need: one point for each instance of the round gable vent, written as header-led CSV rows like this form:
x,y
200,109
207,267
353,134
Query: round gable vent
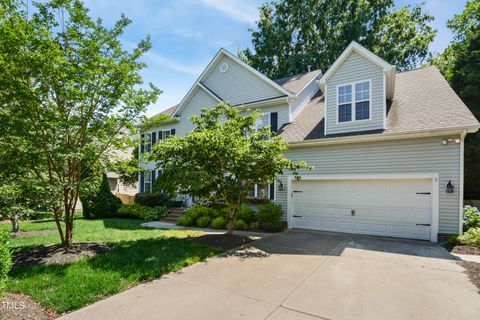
x,y
224,67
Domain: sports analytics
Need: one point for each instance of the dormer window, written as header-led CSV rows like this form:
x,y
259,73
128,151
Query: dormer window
x,y
354,101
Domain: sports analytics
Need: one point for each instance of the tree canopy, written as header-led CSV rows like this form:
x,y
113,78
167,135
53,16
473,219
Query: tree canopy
x,y
223,158
293,34
460,64
68,90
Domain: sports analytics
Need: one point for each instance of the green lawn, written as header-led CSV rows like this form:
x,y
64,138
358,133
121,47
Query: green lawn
x,y
138,254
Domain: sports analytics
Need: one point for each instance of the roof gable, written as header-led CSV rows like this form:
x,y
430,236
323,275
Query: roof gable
x,y
221,89
387,68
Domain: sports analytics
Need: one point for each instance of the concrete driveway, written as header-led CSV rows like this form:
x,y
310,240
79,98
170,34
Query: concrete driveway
x,y
306,275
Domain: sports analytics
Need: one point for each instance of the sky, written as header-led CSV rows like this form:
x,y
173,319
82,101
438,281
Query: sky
x,y
186,34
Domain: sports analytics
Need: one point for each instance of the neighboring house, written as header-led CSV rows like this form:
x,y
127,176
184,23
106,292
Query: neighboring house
x,y
387,147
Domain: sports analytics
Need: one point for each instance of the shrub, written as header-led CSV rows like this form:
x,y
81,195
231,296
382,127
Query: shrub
x,y
269,217
471,218
5,260
219,223
198,211
471,237
255,225
246,214
40,215
152,199
185,220
204,221
141,212
240,225
103,204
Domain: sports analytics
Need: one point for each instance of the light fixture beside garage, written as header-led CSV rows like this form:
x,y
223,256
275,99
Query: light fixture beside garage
x,y
448,140
280,185
450,188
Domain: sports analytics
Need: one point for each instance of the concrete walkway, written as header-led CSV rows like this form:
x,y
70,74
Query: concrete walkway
x,y
305,275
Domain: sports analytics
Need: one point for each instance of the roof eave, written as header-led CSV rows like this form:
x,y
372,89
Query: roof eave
x,y
384,136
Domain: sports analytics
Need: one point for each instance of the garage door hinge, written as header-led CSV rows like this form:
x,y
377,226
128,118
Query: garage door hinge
x,y
424,193
423,224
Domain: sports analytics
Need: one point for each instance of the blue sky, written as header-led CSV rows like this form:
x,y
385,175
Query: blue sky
x,y
187,33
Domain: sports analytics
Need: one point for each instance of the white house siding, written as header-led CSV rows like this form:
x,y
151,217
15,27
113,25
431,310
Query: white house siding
x,y
426,155
281,110
238,85
303,98
355,68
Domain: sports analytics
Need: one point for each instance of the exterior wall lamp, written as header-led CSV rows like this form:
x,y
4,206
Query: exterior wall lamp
x,y
280,185
450,188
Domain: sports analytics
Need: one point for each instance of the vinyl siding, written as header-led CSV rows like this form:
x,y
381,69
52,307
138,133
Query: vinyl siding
x,y
426,155
282,111
303,98
355,68
238,85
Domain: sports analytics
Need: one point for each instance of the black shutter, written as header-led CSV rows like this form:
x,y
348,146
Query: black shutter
x,y
142,182
160,137
274,121
172,132
142,146
272,191
153,178
154,138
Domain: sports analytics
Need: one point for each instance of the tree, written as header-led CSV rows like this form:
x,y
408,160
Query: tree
x,y
68,88
223,158
294,34
14,204
460,64
101,204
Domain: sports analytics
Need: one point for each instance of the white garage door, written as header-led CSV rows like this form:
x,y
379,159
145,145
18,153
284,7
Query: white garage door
x,y
394,208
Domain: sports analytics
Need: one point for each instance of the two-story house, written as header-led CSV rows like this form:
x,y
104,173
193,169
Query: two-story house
x,y
386,146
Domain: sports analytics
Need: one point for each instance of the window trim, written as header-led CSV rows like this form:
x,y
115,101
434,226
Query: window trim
x,y
147,173
255,191
354,102
269,121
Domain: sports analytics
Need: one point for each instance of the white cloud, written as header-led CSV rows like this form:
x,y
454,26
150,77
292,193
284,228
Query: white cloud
x,y
238,10
175,65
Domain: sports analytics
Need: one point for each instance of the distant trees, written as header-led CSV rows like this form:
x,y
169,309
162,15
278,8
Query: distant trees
x,y
460,64
293,34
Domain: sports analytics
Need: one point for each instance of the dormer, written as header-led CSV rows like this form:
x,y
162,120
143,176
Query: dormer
x,y
356,88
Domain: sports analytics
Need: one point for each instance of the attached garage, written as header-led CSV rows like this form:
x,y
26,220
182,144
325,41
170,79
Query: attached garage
x,y
393,206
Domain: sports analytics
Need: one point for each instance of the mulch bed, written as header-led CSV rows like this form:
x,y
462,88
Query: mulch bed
x,y
472,269
56,254
465,250
21,234
14,306
222,241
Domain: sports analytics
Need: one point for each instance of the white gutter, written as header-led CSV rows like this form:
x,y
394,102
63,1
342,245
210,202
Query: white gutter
x,y
382,137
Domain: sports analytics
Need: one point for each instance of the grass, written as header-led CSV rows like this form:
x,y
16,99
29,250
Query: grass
x,y
138,254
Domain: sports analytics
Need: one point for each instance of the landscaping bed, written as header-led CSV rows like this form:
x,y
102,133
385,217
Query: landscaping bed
x,y
464,249
472,269
15,306
57,254
222,241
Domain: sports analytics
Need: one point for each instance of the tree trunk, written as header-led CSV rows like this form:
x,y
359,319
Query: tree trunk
x,y
58,222
15,223
232,214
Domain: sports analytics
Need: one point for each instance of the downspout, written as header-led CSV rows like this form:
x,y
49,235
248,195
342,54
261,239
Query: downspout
x,y
462,148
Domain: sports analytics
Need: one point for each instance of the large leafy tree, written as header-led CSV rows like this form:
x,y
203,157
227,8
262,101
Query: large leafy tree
x,y
67,90
460,64
293,34
223,158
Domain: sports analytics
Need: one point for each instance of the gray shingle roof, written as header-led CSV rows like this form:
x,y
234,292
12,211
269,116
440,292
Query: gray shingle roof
x,y
296,83
423,101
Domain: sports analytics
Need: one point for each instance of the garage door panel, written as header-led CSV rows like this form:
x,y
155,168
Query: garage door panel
x,y
382,207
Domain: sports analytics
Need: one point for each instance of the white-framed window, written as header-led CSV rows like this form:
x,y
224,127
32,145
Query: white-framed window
x,y
263,122
147,142
147,181
162,135
353,101
260,191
